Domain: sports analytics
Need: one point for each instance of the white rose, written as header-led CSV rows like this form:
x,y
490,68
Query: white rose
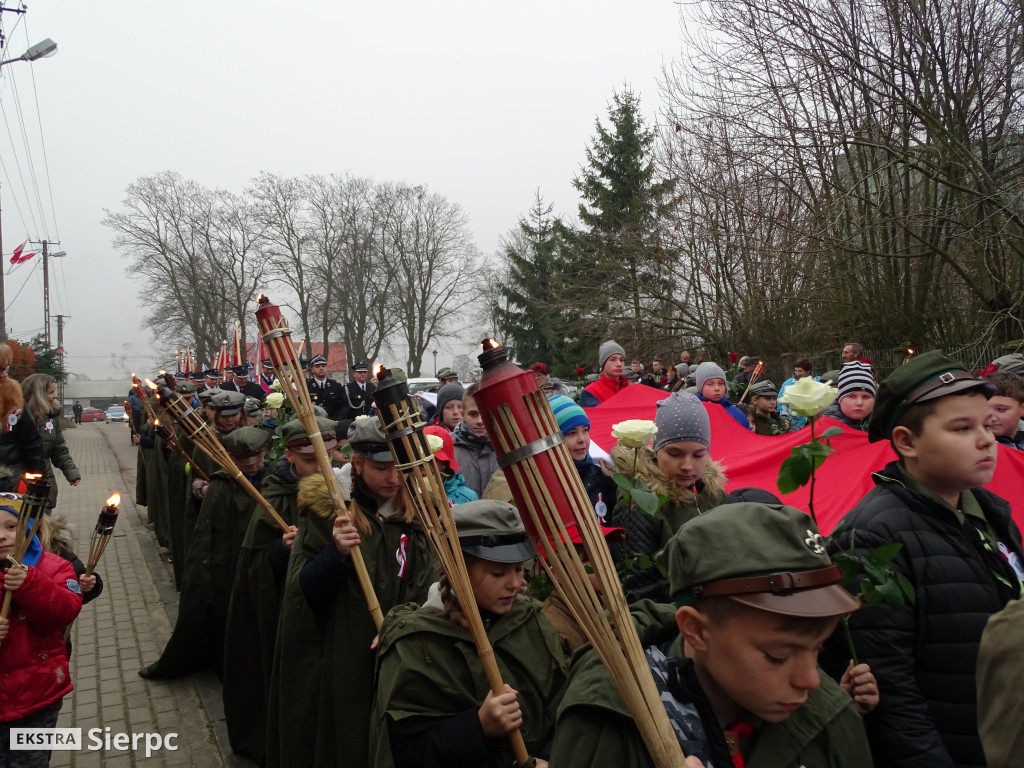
x,y
808,397
634,433
274,400
435,443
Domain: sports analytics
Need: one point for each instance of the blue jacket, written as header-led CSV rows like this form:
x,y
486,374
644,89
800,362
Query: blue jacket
x,y
457,490
731,409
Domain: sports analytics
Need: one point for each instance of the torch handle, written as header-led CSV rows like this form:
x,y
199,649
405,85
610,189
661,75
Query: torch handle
x,y
750,383
243,481
364,576
277,340
174,445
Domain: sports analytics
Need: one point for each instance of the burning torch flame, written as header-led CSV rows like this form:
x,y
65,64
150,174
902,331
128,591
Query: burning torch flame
x,y
910,350
30,476
150,384
114,500
377,368
156,422
489,344
162,373
260,299
133,375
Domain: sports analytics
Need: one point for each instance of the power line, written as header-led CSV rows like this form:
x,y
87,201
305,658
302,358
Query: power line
x,y
28,154
17,164
35,268
42,142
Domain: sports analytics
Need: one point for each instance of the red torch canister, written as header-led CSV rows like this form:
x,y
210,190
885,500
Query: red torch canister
x,y
550,497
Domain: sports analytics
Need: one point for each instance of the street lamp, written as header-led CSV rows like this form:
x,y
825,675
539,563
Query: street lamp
x,y
37,51
435,363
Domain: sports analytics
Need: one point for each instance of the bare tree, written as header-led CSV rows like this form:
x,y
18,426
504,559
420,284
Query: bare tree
x,y
426,238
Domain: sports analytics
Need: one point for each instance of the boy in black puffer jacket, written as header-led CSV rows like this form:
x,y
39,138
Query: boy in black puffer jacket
x,y
961,552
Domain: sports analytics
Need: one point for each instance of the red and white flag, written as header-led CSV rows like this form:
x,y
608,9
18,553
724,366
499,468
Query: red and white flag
x,y
19,256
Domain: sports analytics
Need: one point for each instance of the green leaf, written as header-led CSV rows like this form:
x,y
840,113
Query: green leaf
x,y
817,450
624,482
794,472
869,594
831,432
646,500
886,553
891,594
905,586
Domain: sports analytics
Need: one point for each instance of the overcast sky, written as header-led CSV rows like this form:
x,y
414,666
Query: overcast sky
x,y
482,102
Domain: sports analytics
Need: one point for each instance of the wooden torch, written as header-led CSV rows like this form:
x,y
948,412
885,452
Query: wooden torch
x,y
403,424
277,341
550,496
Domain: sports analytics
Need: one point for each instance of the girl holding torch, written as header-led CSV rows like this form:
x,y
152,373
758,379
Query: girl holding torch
x,y
323,702
33,658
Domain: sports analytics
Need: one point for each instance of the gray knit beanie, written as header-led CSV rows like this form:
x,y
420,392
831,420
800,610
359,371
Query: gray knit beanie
x,y
608,349
855,376
706,372
446,394
682,417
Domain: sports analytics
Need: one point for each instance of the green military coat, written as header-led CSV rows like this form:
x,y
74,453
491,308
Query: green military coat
x,y
197,641
252,620
428,670
320,710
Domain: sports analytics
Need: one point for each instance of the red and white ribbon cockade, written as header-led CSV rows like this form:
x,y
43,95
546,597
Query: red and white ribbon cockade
x,y
400,555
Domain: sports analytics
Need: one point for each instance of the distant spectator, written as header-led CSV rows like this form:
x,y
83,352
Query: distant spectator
x,y
473,450
684,363
856,396
449,406
763,399
671,378
77,410
852,351
801,369
747,365
1007,408
656,376
711,388
546,382
611,361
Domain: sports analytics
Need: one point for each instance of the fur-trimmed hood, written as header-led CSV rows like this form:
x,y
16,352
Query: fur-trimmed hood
x,y
315,496
647,468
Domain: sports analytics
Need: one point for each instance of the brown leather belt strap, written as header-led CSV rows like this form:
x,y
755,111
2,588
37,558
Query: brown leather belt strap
x,y
775,582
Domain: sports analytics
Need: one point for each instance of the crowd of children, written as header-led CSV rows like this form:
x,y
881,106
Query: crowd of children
x,y
760,652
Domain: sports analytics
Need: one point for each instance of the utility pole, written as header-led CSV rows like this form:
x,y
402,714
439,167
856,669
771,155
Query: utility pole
x,y
60,357
46,284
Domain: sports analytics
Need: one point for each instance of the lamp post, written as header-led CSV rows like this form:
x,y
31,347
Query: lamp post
x,y
37,51
435,363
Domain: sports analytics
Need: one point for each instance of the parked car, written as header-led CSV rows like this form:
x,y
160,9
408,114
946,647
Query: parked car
x,y
93,414
116,413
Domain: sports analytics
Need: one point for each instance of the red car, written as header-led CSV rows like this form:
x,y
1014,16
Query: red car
x,y
92,414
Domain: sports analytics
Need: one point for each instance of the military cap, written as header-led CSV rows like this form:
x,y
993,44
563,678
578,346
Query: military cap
x,y
207,395
239,370
227,402
767,556
492,530
297,438
267,364
1010,364
446,373
923,378
367,438
361,365
748,360
318,360
246,441
252,406
211,374
763,388
184,387
195,375
399,374
831,377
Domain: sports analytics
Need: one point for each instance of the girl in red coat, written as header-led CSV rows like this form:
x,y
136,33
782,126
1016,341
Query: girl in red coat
x,y
34,675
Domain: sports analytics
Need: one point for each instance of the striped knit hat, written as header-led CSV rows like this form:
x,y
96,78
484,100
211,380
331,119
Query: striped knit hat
x,y
855,376
568,414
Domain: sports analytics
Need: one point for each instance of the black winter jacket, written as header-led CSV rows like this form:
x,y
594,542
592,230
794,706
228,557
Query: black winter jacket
x,y
924,656
21,451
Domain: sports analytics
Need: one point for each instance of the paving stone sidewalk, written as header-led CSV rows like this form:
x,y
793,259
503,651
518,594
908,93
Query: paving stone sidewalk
x,y
126,627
